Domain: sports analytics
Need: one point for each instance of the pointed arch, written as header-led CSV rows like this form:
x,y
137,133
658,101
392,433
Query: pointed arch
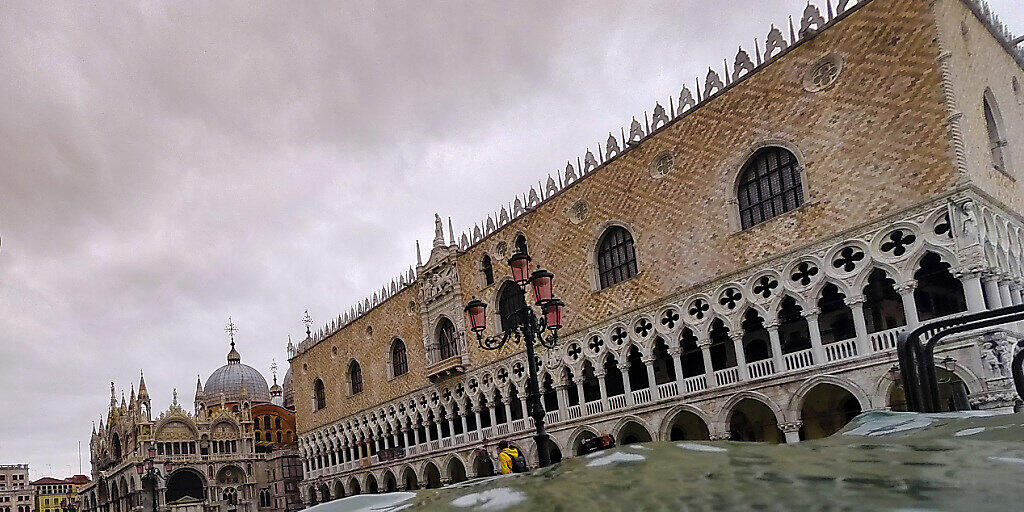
x,y
665,430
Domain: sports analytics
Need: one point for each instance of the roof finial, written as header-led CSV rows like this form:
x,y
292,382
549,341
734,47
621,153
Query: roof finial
x,y
308,320
273,369
231,330
451,232
438,231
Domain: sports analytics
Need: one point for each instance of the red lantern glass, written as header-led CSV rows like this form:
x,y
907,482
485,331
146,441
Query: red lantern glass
x,y
138,467
553,314
475,314
519,263
152,452
541,282
168,466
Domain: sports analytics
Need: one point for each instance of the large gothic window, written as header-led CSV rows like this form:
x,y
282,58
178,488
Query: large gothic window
x,y
769,186
355,377
616,257
510,303
447,341
994,127
399,359
319,395
521,244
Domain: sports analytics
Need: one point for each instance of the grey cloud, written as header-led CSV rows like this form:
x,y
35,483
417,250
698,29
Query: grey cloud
x,y
165,165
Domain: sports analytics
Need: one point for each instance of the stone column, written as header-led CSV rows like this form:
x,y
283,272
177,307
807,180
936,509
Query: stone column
x,y
773,338
522,403
451,426
465,428
494,418
971,280
416,434
652,382
627,386
709,369
405,437
563,401
508,411
677,367
791,431
426,430
1015,288
387,442
860,325
811,315
604,389
989,283
1004,293
579,391
476,414
741,356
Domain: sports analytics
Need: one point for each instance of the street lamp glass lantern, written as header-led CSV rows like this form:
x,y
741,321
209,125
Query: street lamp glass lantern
x,y
152,452
894,373
949,364
476,315
167,466
138,468
519,263
553,314
541,281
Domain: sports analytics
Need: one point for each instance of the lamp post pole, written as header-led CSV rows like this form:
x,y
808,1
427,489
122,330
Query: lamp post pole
x,y
530,330
148,472
529,320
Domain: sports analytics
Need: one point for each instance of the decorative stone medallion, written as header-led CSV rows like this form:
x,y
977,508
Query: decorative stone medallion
x,y
661,164
578,212
823,73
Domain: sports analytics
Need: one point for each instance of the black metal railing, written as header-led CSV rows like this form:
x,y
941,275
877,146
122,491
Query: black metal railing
x,y
917,354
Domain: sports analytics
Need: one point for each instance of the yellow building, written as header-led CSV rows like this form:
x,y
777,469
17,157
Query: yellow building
x,y
54,495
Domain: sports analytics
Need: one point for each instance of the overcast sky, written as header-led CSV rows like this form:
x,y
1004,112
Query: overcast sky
x,y
165,166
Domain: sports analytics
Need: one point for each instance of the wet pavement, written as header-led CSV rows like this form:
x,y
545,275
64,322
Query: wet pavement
x,y
880,462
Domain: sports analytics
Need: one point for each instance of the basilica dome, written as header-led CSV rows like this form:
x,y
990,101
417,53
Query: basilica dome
x,y
233,380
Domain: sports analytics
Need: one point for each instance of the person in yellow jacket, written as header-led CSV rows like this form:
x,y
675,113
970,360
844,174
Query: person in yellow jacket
x,y
506,454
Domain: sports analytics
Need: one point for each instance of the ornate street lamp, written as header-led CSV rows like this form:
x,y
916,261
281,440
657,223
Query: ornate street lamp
x,y
150,473
527,327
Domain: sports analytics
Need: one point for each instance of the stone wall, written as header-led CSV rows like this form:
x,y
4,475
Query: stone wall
x,y
975,61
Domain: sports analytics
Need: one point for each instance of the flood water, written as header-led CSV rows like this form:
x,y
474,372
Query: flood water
x,y
881,461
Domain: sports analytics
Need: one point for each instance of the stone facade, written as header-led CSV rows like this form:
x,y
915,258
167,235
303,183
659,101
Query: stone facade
x,y
16,494
234,452
775,332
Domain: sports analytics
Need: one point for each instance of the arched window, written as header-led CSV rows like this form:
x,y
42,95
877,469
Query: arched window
x,y
769,186
994,127
446,339
521,244
616,256
319,395
355,377
510,303
399,361
487,269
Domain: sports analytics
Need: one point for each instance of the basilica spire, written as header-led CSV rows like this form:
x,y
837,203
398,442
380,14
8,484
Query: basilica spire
x,y
233,355
143,392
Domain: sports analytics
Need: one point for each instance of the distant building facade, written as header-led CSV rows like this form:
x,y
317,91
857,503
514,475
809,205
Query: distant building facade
x,y
58,495
736,266
223,456
16,492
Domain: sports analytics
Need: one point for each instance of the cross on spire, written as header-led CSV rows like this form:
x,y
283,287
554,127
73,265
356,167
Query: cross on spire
x,y
308,320
231,330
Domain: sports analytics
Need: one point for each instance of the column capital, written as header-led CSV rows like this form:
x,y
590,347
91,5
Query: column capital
x,y
674,351
736,336
623,366
648,360
772,325
991,275
792,426
809,312
906,287
973,272
854,300
704,343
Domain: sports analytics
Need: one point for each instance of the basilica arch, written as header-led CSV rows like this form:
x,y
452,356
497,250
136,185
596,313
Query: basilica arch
x,y
185,482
